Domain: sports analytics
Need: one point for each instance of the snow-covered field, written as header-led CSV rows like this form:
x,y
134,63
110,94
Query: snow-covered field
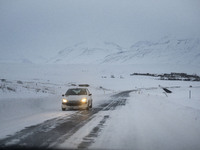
x,y
151,119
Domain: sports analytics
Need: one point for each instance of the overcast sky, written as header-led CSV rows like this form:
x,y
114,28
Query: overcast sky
x,y
46,26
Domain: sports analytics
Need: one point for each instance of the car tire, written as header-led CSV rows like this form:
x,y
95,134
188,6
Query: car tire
x,y
91,105
88,107
63,109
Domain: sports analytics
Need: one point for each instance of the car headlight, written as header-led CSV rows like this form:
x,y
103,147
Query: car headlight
x,y
83,100
64,100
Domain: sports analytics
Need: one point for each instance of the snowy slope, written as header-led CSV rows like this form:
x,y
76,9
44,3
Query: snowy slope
x,y
86,52
172,51
21,58
164,51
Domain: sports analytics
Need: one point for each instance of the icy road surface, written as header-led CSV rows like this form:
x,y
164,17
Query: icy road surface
x,y
136,119
55,131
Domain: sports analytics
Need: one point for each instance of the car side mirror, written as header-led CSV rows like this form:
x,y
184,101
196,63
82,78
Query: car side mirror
x,y
90,94
63,95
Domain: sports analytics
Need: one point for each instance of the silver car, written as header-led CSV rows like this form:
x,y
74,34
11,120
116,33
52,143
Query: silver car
x,y
77,98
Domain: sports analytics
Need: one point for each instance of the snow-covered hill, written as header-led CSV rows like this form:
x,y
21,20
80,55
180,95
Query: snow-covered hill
x,y
85,53
164,51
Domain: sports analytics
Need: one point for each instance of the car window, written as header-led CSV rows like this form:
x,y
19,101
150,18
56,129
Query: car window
x,y
76,92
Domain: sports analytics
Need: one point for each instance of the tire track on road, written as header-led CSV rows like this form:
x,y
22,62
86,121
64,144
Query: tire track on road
x,y
57,130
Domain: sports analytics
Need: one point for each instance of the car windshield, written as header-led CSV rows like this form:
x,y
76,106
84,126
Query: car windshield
x,y
76,92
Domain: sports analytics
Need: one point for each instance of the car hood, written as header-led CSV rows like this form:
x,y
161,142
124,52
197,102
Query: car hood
x,y
75,97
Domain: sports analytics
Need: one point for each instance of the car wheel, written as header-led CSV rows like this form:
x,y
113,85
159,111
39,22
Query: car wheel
x,y
88,107
63,109
91,105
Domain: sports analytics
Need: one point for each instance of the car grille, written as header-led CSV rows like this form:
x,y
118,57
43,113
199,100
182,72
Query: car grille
x,y
74,103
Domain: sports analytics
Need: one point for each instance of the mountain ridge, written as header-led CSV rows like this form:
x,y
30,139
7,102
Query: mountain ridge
x,y
166,50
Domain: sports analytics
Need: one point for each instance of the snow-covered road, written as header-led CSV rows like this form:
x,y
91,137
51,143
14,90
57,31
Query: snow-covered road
x,y
55,131
129,112
133,119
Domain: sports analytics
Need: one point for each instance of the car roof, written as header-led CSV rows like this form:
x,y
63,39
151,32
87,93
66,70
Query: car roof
x,y
76,88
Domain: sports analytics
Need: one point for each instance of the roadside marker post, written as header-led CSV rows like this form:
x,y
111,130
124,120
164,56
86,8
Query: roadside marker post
x,y
190,94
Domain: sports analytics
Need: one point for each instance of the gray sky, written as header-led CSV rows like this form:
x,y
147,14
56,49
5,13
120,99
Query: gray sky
x,y
46,26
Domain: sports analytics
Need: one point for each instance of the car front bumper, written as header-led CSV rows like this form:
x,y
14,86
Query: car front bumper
x,y
74,105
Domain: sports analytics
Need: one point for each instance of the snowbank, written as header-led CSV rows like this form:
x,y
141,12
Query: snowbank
x,y
150,120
